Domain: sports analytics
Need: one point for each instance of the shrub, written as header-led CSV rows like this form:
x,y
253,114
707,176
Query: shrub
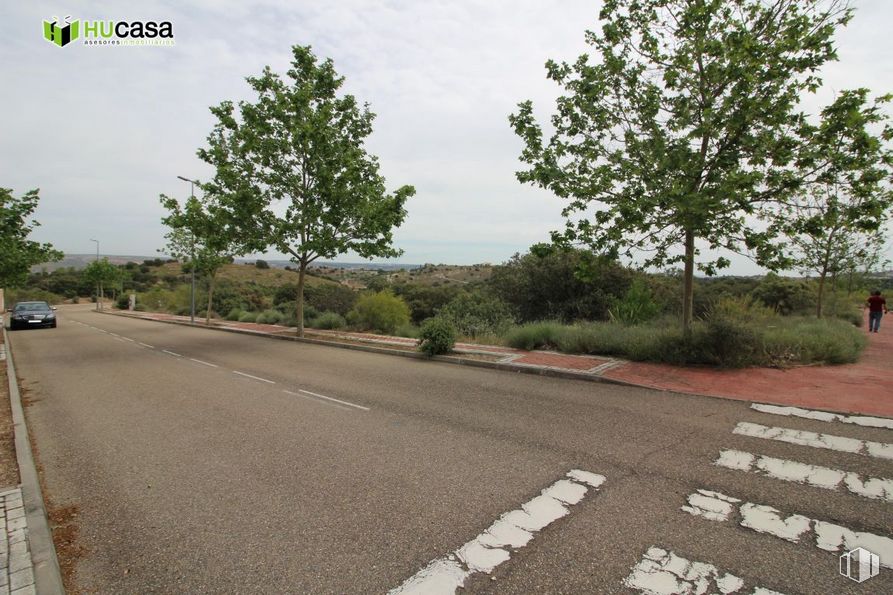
x,y
234,314
331,297
123,301
476,314
269,317
536,335
410,331
382,311
636,306
810,340
329,320
261,264
437,336
247,317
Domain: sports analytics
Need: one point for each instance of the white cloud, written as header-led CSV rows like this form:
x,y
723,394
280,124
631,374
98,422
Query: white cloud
x,y
103,131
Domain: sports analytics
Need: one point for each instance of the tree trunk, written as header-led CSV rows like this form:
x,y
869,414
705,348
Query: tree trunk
x,y
101,296
211,279
818,303
300,301
688,283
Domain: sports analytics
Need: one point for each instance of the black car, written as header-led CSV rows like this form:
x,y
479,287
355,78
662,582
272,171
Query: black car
x,y
32,314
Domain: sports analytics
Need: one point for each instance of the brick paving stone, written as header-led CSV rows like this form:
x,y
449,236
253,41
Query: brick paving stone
x,y
29,590
20,579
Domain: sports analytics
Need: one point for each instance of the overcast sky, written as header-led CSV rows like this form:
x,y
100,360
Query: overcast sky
x,y
103,130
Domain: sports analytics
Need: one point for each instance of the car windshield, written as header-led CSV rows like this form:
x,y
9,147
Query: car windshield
x,y
32,307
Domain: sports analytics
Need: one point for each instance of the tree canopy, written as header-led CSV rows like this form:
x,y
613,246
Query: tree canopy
x,y
17,253
293,168
682,128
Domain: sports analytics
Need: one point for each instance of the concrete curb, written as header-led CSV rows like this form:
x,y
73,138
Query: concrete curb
x,y
47,575
449,359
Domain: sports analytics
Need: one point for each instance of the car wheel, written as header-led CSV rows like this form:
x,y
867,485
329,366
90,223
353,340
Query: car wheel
x,y
53,325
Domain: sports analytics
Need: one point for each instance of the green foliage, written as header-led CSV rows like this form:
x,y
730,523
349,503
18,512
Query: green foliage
x,y
101,272
682,126
536,335
269,317
28,294
636,306
17,253
248,317
437,336
425,301
330,297
565,285
383,312
328,320
476,314
807,340
410,331
785,296
261,264
293,170
234,314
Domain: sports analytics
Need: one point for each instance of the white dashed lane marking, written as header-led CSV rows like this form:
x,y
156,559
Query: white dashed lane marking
x,y
859,420
146,345
661,571
827,441
253,377
171,353
877,488
795,528
511,531
316,396
204,363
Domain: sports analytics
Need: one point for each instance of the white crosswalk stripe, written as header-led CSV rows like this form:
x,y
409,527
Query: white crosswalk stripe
x,y
859,420
795,528
814,475
826,441
661,572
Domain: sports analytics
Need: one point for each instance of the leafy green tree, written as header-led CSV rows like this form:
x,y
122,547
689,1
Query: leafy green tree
x,y
201,235
381,311
293,167
102,274
17,253
833,224
683,129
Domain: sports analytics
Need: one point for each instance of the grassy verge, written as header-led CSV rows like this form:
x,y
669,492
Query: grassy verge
x,y
778,341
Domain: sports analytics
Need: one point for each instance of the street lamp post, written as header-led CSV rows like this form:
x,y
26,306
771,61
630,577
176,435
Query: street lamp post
x,y
98,296
192,256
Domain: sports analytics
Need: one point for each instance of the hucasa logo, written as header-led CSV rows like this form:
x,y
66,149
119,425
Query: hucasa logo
x,y
109,32
61,35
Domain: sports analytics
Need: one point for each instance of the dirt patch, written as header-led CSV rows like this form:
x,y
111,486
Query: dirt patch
x,y
9,467
64,525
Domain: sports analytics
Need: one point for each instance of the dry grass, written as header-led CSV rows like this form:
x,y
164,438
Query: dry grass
x,y
9,468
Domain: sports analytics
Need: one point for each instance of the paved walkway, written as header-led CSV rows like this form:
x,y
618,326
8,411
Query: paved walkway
x,y
16,568
865,387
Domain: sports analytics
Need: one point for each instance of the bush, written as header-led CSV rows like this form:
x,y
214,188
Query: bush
x,y
269,317
636,306
261,264
247,317
476,314
383,312
536,335
234,314
437,336
330,297
409,331
328,320
810,340
123,301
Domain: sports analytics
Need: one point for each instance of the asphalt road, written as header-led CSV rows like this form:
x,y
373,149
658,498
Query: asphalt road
x,y
192,478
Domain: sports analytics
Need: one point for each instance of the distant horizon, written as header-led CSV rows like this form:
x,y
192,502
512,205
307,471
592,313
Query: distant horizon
x,y
372,265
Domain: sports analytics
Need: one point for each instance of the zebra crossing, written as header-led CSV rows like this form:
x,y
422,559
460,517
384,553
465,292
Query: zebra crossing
x,y
660,571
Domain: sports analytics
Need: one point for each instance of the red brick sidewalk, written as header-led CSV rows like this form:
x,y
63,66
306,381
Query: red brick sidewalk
x,y
865,387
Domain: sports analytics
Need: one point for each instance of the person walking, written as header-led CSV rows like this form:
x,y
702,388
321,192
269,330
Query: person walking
x,y
877,307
